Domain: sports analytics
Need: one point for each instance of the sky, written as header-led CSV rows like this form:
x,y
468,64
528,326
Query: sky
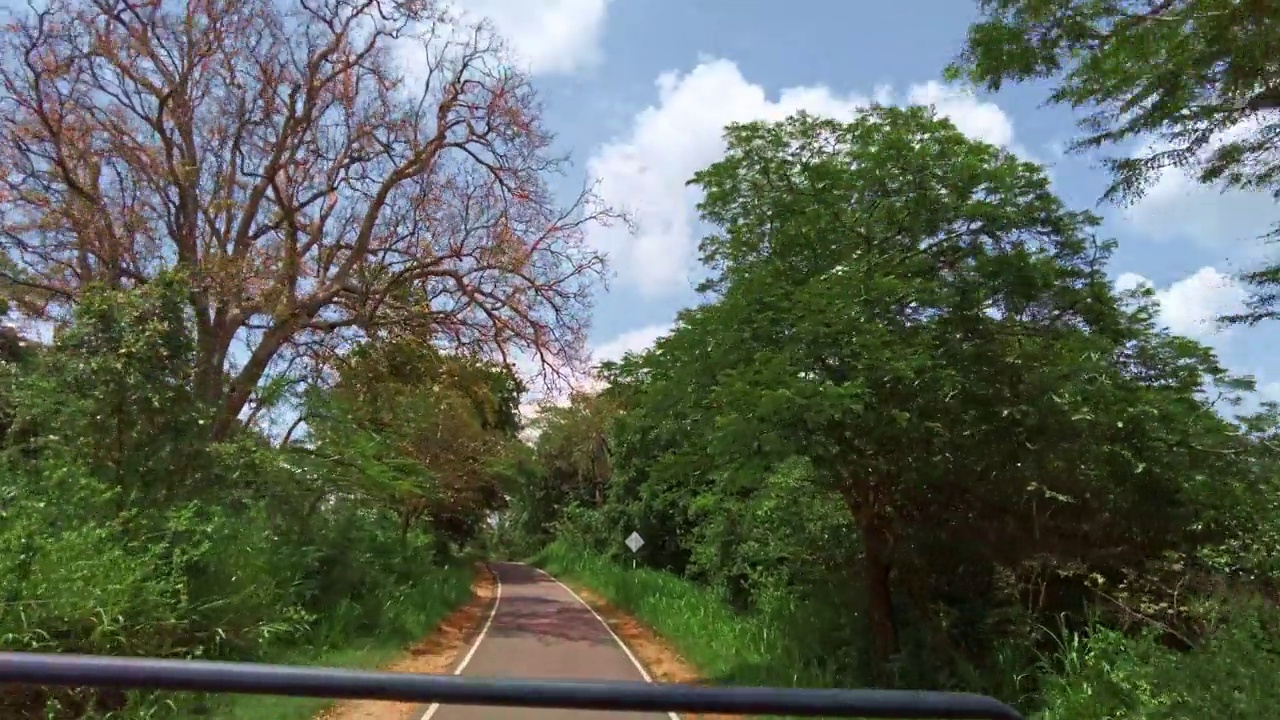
x,y
638,92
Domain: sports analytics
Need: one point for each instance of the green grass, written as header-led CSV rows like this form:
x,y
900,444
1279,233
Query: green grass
x,y
363,656
439,593
1110,675
724,646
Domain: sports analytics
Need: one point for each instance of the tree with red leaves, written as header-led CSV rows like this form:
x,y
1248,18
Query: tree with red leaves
x,y
314,187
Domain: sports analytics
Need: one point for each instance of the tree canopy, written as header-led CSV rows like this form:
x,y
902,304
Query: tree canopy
x,y
1194,82
311,187
913,415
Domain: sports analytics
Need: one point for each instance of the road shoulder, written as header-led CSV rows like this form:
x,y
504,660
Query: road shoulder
x,y
663,663
438,653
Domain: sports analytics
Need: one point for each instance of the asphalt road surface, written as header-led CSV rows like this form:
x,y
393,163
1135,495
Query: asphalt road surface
x,y
541,631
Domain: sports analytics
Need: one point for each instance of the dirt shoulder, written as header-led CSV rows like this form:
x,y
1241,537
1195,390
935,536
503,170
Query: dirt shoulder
x,y
438,654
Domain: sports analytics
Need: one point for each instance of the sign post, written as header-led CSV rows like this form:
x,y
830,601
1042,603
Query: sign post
x,y
635,542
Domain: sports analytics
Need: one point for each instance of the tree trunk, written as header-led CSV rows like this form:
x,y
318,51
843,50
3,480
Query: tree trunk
x,y
235,395
877,551
407,516
209,354
878,568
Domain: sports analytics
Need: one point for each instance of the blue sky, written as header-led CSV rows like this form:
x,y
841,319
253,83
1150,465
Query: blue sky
x,y
638,91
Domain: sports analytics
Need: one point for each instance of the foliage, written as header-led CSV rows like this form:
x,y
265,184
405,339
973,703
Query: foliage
x,y
434,435
569,469
1195,80
915,438
229,211
310,190
128,528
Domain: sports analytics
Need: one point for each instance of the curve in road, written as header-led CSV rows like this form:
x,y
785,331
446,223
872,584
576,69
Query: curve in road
x,y
539,628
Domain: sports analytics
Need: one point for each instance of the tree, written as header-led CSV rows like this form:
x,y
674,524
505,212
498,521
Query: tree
x,y
916,316
573,447
569,463
431,434
1200,77
310,189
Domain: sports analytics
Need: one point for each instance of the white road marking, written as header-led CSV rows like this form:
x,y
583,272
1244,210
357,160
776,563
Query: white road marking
x,y
475,645
630,655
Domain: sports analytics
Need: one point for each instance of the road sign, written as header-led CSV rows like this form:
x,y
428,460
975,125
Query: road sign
x,y
634,541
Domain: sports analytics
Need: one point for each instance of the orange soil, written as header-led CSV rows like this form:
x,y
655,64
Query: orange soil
x,y
437,654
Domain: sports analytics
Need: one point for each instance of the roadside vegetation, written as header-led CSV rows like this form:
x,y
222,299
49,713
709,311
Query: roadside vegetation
x,y
251,406
913,436
260,397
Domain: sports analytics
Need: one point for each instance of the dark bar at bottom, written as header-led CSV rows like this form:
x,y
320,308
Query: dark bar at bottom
x,y
264,679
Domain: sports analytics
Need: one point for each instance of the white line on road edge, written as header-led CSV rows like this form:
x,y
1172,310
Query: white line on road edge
x,y
475,645
630,655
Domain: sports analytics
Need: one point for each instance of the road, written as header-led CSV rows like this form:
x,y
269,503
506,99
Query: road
x,y
539,629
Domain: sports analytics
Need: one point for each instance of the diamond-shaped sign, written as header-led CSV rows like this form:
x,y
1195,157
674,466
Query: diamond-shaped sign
x,y
634,541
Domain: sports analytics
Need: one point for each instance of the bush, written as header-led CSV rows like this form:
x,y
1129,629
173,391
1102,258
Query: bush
x,y
1098,673
125,529
1113,675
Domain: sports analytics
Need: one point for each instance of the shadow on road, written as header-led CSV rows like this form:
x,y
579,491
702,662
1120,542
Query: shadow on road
x,y
513,574
548,620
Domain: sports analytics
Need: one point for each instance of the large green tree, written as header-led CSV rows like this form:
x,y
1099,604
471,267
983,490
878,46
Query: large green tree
x,y
919,318
1200,78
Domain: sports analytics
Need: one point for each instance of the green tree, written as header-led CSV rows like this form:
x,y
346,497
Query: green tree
x,y
117,386
572,454
573,446
917,316
1200,77
432,434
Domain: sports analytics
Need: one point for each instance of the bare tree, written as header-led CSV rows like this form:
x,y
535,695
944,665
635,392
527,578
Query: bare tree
x,y
274,152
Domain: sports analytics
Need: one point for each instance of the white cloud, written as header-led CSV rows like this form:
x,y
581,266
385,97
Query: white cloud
x,y
1177,207
1192,305
631,341
637,340
977,119
645,172
551,36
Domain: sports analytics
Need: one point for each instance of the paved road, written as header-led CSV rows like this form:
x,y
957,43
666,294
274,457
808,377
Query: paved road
x,y
542,631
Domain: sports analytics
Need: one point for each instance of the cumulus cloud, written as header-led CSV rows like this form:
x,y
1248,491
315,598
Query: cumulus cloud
x,y
553,37
977,119
1192,305
637,340
645,171
1177,207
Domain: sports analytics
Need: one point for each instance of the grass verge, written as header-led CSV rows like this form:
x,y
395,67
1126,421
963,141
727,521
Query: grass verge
x,y
1108,675
440,592
725,647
